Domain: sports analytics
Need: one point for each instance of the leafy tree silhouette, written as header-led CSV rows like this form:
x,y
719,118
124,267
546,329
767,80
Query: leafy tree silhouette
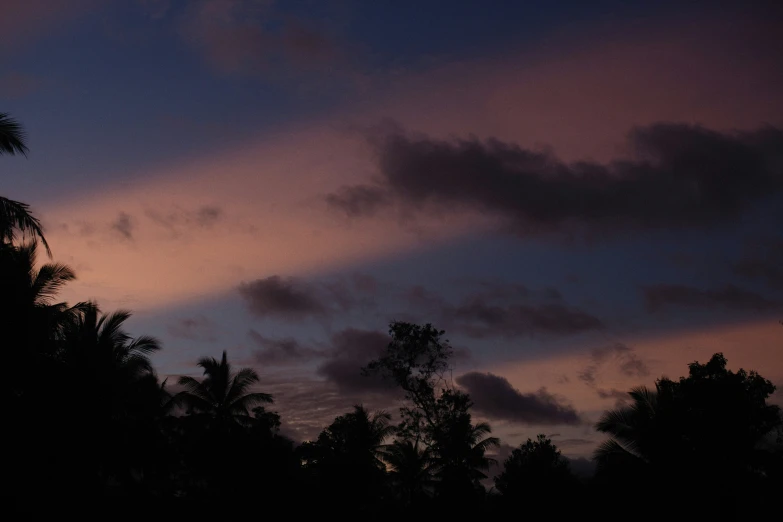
x,y
702,431
436,414
536,469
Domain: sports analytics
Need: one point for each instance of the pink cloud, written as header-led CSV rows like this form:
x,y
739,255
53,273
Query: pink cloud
x,y
580,99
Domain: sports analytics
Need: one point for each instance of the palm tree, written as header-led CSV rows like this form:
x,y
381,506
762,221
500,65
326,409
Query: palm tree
x,y
411,469
359,434
16,216
29,307
222,393
464,448
635,432
96,348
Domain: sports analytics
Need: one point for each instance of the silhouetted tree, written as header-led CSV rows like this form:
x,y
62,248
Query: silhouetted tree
x,y
16,216
411,469
436,414
345,462
222,394
537,470
701,431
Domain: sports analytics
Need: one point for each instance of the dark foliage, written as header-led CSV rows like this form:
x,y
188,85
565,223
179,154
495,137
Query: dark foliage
x,y
90,430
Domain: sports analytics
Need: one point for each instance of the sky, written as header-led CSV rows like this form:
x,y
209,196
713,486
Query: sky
x,y
586,196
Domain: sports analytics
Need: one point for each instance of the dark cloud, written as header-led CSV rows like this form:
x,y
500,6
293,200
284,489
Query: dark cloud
x,y
507,311
763,263
179,220
194,329
280,352
658,297
494,397
359,200
351,349
288,298
479,319
573,442
588,374
679,175
123,225
295,299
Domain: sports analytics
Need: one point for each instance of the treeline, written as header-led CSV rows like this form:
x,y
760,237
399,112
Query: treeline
x,y
90,430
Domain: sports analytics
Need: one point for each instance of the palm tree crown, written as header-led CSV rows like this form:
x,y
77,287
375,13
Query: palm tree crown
x,y
222,393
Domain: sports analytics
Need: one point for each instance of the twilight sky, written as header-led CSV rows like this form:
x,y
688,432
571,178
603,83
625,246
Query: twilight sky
x,y
586,197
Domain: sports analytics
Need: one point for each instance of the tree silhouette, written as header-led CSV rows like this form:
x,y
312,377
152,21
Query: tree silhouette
x,y
705,429
460,450
345,464
537,468
16,216
412,469
222,394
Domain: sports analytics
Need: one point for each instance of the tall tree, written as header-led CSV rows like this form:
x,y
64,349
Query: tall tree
x,y
222,394
435,413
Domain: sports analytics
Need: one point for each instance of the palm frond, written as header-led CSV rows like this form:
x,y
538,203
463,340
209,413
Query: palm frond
x,y
245,403
12,136
612,450
49,280
111,327
144,345
489,442
15,215
240,383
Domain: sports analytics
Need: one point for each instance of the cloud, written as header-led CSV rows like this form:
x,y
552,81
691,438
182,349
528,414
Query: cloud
x,y
658,297
494,397
678,175
179,220
250,36
193,328
289,298
359,200
476,318
612,394
280,352
623,357
505,310
351,349
764,263
295,299
123,225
